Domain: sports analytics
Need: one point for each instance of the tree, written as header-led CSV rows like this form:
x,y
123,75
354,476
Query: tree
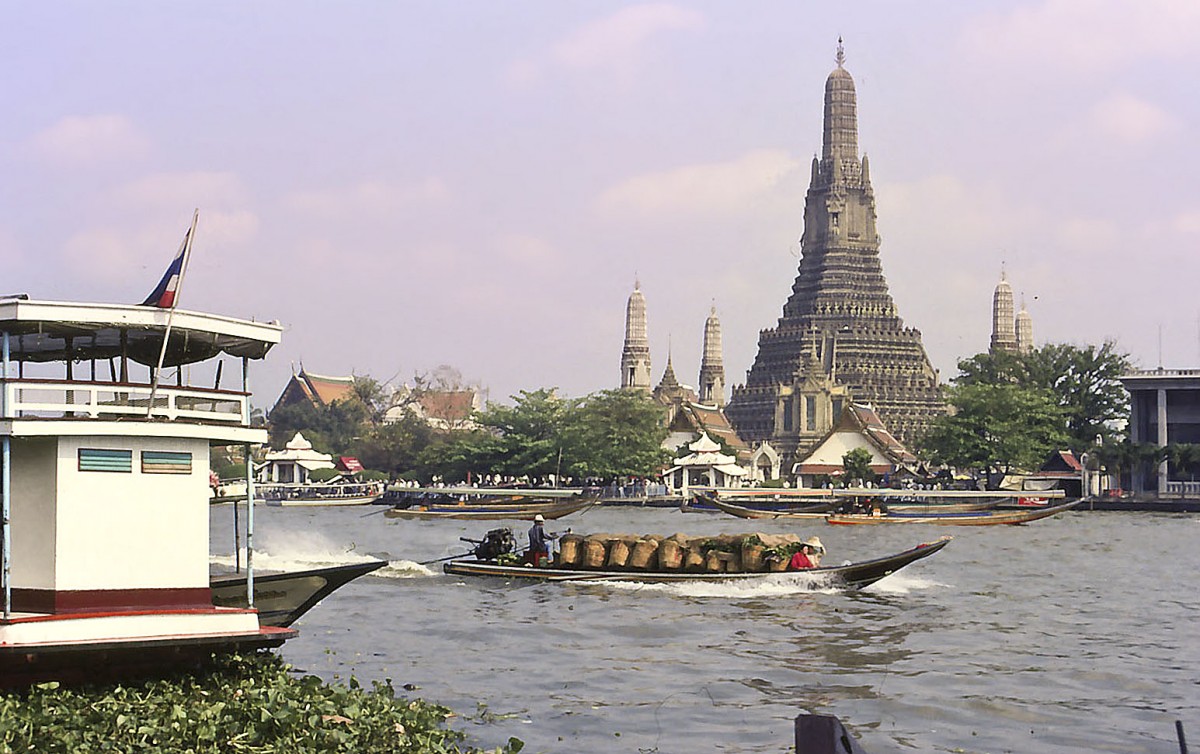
x,y
996,428
856,465
1086,382
614,433
331,428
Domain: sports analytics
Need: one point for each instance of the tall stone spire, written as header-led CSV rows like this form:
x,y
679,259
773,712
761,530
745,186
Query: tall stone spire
x,y
635,356
1024,330
712,364
840,337
841,114
1004,334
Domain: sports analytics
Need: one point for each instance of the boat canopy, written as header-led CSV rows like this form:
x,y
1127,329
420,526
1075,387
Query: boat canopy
x,y
48,331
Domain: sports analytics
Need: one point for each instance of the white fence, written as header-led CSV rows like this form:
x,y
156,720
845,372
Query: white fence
x,y
53,399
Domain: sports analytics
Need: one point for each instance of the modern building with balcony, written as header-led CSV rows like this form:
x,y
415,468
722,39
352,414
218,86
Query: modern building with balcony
x,y
1164,409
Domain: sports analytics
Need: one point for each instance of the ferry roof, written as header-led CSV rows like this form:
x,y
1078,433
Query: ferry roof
x,y
46,331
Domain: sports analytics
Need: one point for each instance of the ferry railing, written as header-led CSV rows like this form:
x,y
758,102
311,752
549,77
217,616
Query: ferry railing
x,y
48,399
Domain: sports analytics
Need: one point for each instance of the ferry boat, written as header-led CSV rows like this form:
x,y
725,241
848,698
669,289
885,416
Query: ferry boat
x,y
105,486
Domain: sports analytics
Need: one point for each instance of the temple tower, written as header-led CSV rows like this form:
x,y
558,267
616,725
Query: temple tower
x,y
1024,330
635,356
1004,334
840,337
712,364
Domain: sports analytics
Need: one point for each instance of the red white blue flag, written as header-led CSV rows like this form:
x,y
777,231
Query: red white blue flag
x,y
163,296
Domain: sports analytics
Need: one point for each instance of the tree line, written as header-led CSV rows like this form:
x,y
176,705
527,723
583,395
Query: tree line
x,y
603,435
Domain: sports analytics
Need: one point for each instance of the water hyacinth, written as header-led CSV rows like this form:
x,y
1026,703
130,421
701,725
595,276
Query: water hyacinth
x,y
247,703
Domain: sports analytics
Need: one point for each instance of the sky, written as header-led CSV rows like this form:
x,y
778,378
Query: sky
x,y
407,185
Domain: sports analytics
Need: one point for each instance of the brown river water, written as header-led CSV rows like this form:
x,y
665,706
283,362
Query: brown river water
x,y
1076,633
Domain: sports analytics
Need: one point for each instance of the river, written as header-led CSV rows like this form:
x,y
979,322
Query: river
x,y
1075,633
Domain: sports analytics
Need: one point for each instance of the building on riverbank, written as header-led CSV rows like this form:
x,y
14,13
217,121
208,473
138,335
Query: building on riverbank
x,y
1164,409
840,337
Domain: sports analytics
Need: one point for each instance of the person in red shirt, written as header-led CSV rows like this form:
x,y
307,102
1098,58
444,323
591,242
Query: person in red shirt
x,y
808,556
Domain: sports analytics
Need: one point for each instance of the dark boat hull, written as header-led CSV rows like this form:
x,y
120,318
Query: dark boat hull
x,y
471,512
852,576
281,598
982,518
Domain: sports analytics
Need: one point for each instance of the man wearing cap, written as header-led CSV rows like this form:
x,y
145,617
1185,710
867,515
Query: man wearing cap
x,y
808,556
539,542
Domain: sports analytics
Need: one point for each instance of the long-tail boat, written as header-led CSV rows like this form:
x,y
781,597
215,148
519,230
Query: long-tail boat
x,y
968,518
850,576
473,512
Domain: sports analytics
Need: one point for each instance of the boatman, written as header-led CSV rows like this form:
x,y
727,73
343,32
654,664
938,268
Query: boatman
x,y
808,556
539,542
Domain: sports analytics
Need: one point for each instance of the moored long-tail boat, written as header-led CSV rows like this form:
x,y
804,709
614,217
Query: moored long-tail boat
x,y
976,518
850,576
810,511
467,511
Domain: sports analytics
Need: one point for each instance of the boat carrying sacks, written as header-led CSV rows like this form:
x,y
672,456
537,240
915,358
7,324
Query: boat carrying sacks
x,y
754,552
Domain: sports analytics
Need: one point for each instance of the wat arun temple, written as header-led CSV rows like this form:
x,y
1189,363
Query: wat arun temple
x,y
840,338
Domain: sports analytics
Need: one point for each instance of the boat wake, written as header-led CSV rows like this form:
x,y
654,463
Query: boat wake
x,y
308,550
778,586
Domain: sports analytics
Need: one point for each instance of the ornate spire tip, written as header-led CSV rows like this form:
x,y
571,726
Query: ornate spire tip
x,y
841,53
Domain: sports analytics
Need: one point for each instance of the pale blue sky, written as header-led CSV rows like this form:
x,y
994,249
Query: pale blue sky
x,y
478,184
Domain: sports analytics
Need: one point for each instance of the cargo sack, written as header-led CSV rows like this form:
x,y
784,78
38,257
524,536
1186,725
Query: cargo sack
x,y
752,557
594,553
693,560
618,554
670,555
570,549
643,554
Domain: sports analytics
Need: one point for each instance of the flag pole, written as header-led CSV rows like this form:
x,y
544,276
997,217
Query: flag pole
x,y
162,354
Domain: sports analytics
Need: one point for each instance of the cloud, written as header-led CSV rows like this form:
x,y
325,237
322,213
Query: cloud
x,y
175,190
622,35
378,198
722,188
615,42
90,140
1188,222
1131,120
1087,36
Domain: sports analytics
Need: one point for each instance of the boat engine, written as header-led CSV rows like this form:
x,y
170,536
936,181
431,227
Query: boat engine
x,y
495,543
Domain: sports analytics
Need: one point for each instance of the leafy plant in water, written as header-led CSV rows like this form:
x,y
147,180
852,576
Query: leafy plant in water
x,y
249,703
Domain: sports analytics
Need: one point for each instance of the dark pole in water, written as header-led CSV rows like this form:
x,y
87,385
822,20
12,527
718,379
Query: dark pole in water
x,y
1182,739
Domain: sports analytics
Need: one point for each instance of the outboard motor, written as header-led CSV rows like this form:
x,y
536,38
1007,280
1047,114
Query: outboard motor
x,y
495,543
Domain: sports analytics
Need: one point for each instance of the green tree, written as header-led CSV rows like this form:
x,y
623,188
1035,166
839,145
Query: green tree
x,y
1086,382
331,428
395,447
614,433
996,428
530,433
856,465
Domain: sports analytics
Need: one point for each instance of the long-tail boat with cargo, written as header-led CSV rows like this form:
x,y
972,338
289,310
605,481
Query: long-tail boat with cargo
x,y
677,558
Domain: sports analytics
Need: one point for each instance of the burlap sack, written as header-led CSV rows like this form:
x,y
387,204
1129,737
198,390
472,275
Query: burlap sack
x,y
643,554
618,554
570,549
752,557
595,551
670,555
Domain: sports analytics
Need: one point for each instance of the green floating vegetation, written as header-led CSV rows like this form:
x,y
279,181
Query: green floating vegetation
x,y
245,703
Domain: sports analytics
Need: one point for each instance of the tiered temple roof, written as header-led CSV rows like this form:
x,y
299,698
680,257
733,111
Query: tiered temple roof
x,y
840,337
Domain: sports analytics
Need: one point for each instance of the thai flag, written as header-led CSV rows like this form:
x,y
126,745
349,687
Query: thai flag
x,y
163,296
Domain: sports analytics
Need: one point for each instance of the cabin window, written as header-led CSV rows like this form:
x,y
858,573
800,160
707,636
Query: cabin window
x,y
166,462
104,459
